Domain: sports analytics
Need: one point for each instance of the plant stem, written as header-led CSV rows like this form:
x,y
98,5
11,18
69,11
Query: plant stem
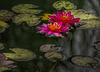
x,y
51,70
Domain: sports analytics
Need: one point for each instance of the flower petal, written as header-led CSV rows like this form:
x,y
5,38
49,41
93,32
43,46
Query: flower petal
x,y
57,34
44,25
49,33
63,12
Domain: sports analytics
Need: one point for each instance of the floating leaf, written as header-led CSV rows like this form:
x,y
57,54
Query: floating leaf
x,y
53,56
46,16
73,12
1,46
66,4
30,19
6,15
85,16
3,69
26,8
2,57
84,61
97,46
3,24
20,54
91,23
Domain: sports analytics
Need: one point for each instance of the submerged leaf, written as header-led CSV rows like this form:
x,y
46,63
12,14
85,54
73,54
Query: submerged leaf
x,y
97,46
6,15
91,23
26,8
3,69
83,16
20,54
53,56
49,48
84,61
30,19
1,46
66,4
2,29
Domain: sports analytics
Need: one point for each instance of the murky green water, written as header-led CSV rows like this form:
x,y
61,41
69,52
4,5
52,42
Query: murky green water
x,y
22,36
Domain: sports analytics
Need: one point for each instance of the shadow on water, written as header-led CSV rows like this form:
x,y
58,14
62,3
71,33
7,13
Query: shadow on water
x,y
79,42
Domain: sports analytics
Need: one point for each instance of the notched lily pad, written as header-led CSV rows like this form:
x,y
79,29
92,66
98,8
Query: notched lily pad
x,y
60,4
91,23
84,61
53,56
30,19
49,48
2,57
73,12
83,16
20,54
6,15
1,46
97,46
26,8
3,69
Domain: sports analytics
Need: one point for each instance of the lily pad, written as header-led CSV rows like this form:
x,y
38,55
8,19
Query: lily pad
x,y
30,19
3,24
60,4
83,16
2,57
73,12
20,54
26,8
3,69
49,48
97,46
91,23
84,61
53,56
1,46
6,15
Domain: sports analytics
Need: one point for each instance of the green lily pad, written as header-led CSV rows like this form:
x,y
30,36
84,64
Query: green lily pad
x,y
91,24
49,48
30,19
3,69
20,54
83,16
2,29
6,15
26,8
84,61
1,46
53,56
73,12
97,46
3,24
60,4
2,57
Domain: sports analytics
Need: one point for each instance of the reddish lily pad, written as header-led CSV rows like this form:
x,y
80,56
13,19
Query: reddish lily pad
x,y
53,56
1,46
84,61
6,15
20,54
26,8
97,46
60,4
90,24
2,57
30,19
49,48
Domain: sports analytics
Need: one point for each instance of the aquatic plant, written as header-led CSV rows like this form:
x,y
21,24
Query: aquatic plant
x,y
56,28
46,16
26,8
1,46
30,19
6,15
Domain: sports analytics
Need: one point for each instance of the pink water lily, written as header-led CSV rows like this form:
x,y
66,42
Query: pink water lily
x,y
56,28
65,18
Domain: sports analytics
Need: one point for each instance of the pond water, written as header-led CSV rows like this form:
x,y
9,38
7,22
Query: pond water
x,y
79,42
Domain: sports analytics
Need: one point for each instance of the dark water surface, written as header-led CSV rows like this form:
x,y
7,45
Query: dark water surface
x,y
22,36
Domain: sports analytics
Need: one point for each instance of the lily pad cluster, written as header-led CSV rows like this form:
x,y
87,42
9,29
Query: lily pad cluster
x,y
30,19
5,64
20,54
51,52
84,61
63,4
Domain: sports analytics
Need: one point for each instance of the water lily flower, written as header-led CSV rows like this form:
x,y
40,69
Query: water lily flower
x,y
46,16
65,18
56,28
